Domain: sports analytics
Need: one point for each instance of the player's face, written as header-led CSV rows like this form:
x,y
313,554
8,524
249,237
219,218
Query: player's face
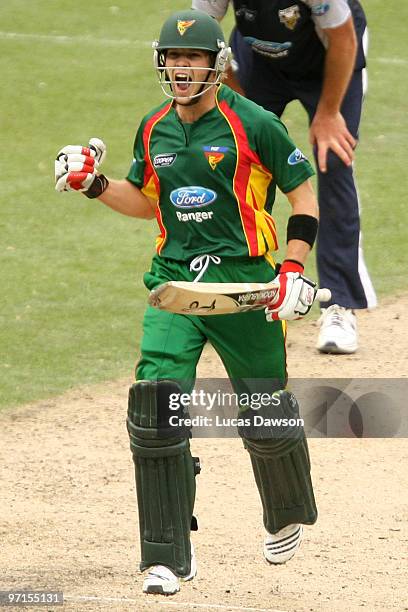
x,y
187,69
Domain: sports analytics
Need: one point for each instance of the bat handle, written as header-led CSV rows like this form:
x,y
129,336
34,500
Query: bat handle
x,y
323,295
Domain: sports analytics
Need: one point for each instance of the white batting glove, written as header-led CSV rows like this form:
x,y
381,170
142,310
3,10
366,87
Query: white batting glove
x,y
76,168
295,296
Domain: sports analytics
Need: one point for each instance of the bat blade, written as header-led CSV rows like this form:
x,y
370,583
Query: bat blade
x,y
205,299
212,298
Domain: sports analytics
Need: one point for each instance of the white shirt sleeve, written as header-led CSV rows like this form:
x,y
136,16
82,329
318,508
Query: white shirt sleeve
x,y
328,13
215,8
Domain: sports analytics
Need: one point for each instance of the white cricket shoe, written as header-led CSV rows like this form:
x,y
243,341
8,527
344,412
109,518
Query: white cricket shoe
x,y
280,547
161,580
338,330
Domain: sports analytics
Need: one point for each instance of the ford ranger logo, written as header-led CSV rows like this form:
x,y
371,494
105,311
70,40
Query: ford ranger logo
x,y
192,197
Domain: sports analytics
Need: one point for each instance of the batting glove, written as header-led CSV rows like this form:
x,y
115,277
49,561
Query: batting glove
x,y
295,296
76,169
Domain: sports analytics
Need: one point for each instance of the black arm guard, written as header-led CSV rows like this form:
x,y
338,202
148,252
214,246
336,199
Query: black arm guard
x,y
302,227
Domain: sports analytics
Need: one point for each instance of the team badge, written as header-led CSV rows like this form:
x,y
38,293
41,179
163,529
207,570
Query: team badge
x,y
290,16
215,155
214,159
183,26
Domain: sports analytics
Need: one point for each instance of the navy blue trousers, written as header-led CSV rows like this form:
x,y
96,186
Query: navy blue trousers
x,y
340,261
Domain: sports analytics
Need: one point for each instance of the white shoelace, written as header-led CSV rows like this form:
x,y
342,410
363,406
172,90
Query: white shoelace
x,y
336,315
336,319
162,572
200,264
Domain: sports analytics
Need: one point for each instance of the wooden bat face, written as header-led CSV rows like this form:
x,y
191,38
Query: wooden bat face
x,y
217,298
212,298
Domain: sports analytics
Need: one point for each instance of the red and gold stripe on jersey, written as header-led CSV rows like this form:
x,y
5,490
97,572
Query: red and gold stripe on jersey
x,y
151,183
250,186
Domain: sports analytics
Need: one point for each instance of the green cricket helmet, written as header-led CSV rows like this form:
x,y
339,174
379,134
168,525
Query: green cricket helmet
x,y
191,29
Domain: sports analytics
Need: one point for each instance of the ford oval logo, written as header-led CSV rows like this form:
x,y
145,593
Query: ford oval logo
x,y
192,197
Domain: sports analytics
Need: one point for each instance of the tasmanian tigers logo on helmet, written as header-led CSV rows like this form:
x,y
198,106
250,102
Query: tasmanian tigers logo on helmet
x,y
183,26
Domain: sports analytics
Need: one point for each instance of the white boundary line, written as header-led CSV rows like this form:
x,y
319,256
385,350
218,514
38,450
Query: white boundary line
x,y
123,42
105,42
177,604
398,61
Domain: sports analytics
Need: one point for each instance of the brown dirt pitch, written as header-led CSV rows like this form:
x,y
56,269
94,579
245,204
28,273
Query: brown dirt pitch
x,y
69,519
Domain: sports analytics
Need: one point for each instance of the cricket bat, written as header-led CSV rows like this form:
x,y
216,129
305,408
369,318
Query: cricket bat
x,y
217,298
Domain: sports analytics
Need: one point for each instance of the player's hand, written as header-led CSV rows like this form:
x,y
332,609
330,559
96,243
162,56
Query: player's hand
x,y
295,296
330,132
76,168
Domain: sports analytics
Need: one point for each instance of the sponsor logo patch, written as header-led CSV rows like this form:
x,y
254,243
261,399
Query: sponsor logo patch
x,y
258,297
215,155
290,16
198,217
192,197
320,9
272,50
296,157
247,14
183,26
163,160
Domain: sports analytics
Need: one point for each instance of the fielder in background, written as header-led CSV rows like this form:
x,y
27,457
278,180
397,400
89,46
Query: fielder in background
x,y
207,163
314,52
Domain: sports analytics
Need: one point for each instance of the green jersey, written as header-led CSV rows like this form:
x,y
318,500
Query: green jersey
x,y
215,179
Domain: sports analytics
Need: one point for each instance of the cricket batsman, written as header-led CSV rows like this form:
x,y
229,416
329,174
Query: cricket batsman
x,y
207,163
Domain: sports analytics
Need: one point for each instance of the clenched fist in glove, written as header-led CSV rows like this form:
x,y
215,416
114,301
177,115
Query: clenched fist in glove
x,y
76,169
296,294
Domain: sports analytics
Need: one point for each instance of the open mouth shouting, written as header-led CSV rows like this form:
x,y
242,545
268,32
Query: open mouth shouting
x,y
182,82
185,74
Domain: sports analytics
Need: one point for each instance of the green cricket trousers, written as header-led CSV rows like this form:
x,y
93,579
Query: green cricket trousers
x,y
248,346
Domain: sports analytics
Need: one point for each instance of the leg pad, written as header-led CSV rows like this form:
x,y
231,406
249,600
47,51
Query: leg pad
x,y
165,477
281,468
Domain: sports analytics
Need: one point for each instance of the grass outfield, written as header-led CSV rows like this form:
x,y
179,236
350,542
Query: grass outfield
x,y
71,270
